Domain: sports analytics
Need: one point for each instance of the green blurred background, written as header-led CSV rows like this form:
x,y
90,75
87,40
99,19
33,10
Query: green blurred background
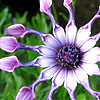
x,y
28,14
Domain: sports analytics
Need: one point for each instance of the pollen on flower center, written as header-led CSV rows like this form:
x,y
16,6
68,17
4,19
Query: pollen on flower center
x,y
68,57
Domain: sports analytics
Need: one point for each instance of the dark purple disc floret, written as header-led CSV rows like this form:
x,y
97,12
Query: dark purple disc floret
x,y
69,57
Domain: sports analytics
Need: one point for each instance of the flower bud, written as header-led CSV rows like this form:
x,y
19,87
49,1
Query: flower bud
x,y
8,43
9,63
25,93
16,30
45,5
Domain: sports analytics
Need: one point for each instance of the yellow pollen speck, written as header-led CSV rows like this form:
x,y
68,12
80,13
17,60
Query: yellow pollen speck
x,y
75,67
59,50
63,53
57,55
77,59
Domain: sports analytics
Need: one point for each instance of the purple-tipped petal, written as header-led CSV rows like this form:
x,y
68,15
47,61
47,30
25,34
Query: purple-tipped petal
x,y
25,93
85,31
8,43
91,69
45,5
48,73
49,40
71,28
92,56
46,38
70,82
46,51
17,30
59,77
90,43
9,63
20,30
58,31
43,61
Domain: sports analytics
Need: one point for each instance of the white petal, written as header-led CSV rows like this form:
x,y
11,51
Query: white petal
x,y
90,69
71,30
92,56
59,34
46,51
49,72
59,77
91,42
81,76
45,61
70,81
85,31
49,40
88,45
82,35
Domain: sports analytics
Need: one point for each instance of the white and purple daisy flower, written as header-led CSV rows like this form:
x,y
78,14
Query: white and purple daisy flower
x,y
68,57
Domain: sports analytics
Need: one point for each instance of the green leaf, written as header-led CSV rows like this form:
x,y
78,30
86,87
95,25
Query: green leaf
x,y
81,97
10,96
3,15
40,23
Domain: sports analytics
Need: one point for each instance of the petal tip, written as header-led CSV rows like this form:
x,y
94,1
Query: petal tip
x,y
8,43
45,5
25,93
67,3
9,63
16,30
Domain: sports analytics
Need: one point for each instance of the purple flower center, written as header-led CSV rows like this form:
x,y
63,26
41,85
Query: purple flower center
x,y
68,57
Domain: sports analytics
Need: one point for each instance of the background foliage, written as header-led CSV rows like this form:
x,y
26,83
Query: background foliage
x,y
10,83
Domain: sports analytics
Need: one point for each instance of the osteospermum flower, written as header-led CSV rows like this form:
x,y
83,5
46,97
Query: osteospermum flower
x,y
68,57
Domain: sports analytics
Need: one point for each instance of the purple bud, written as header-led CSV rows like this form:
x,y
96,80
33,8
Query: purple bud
x,y
25,93
8,43
67,2
45,5
9,63
16,30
